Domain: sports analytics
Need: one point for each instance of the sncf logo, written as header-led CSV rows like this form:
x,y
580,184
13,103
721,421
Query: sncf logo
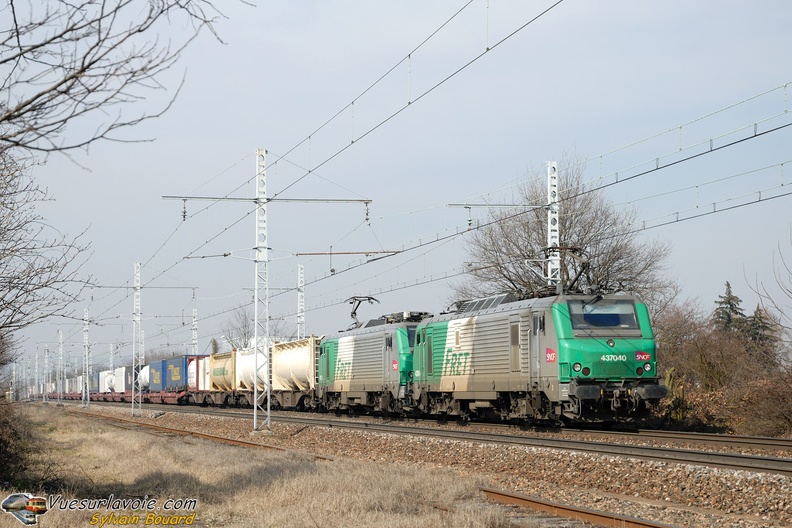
x,y
643,356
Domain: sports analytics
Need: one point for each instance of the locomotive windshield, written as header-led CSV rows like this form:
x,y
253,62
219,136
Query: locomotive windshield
x,y
599,313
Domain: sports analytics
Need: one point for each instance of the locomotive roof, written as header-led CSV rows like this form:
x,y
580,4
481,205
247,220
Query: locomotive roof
x,y
510,302
384,322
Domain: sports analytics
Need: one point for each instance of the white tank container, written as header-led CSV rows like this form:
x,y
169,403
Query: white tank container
x,y
106,381
294,365
246,369
143,379
198,368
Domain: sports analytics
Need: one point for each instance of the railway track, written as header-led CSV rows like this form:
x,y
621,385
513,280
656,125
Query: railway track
x,y
709,439
550,514
585,515
733,461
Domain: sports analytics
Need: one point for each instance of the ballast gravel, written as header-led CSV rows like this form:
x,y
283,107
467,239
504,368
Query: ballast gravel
x,y
676,494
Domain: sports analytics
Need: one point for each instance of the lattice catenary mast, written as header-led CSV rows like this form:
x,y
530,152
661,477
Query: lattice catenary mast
x,y
138,353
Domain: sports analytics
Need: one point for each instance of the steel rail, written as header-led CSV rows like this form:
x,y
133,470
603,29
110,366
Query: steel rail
x,y
570,512
713,439
184,432
734,461
781,466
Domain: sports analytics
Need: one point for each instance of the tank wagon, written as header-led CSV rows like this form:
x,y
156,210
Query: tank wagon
x,y
572,357
220,379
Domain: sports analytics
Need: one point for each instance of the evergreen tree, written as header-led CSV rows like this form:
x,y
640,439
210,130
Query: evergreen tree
x,y
762,333
728,316
761,328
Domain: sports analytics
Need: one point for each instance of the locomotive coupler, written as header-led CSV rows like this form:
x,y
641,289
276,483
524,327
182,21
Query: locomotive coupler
x,y
616,401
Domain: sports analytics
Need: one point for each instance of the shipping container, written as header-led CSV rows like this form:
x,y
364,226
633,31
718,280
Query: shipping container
x,y
157,376
94,382
175,374
123,379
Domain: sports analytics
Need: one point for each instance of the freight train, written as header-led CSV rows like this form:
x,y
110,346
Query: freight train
x,y
565,358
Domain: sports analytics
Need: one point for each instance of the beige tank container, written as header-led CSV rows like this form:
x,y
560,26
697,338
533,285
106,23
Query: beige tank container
x,y
222,373
294,364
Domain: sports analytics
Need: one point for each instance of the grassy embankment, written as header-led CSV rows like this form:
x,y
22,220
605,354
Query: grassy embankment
x,y
79,458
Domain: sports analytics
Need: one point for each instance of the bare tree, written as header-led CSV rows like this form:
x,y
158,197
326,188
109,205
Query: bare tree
x,y
68,64
39,266
779,303
238,331
69,71
599,243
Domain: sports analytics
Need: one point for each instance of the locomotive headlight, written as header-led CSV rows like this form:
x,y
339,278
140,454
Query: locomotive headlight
x,y
576,367
586,371
648,367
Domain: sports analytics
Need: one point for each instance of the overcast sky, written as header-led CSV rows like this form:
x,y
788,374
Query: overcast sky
x,y
587,78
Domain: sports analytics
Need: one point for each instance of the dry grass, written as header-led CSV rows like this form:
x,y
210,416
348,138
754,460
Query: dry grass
x,y
241,487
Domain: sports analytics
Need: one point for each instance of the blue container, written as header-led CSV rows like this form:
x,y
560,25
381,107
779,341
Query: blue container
x,y
156,376
94,382
175,374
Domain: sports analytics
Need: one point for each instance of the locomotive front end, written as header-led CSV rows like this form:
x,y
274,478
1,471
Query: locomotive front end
x,y
607,357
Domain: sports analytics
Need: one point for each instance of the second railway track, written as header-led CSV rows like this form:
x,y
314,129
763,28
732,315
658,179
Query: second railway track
x,y
732,461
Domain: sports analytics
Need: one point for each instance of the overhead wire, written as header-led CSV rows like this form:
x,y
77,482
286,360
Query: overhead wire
x,y
457,272
306,139
369,88
675,129
428,91
421,96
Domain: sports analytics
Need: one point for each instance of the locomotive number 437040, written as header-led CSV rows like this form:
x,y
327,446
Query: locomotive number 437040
x,y
613,357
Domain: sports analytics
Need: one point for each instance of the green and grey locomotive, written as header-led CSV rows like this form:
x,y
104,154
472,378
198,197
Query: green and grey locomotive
x,y
572,357
368,368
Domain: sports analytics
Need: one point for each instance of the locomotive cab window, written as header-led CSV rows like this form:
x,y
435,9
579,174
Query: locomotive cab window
x,y
412,337
598,313
539,325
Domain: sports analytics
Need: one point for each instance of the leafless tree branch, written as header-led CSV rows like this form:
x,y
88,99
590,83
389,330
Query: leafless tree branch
x,y
39,266
508,254
65,64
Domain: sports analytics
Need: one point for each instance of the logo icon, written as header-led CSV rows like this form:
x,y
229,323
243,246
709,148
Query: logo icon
x,y
25,507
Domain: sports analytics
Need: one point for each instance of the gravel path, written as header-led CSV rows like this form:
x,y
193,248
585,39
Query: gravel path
x,y
679,495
